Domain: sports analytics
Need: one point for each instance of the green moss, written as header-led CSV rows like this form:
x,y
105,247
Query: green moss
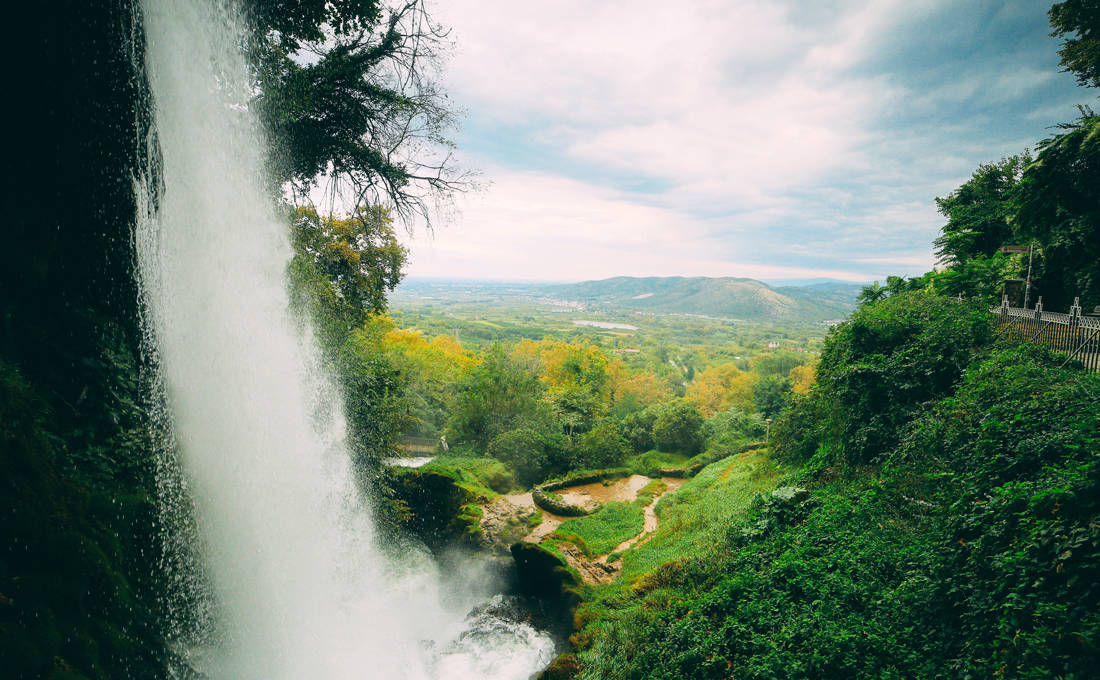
x,y
543,572
556,505
486,478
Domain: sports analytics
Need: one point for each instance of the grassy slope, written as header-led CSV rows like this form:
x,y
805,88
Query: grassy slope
x,y
693,518
692,522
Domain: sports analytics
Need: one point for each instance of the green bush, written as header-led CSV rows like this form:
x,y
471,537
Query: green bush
x,y
601,447
974,552
733,427
1015,455
679,428
637,428
880,367
796,433
525,451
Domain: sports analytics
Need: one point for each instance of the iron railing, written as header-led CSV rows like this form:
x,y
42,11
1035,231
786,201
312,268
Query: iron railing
x,y
1072,334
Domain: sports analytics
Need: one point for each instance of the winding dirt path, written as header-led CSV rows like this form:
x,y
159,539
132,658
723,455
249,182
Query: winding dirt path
x,y
504,521
671,484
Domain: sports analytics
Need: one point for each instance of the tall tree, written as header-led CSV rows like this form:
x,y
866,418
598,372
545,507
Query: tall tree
x,y
497,395
1080,53
1060,208
346,92
343,268
979,213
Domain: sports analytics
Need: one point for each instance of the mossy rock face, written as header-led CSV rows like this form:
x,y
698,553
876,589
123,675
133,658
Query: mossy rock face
x,y
76,599
441,511
550,502
584,477
541,573
556,505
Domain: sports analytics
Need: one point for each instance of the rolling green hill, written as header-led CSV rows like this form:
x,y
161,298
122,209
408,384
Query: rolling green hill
x,y
727,297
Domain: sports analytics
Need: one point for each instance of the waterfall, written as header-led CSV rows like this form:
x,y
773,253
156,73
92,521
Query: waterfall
x,y
302,585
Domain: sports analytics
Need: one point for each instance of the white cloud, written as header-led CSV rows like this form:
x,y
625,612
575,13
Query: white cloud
x,y
761,130
536,226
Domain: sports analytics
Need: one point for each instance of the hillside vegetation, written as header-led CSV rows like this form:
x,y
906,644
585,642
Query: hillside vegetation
x,y
946,525
734,298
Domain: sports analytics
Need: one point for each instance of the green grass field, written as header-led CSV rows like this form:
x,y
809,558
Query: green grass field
x,y
694,518
615,522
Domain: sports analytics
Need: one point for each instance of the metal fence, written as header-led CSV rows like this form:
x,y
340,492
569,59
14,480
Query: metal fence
x,y
1072,334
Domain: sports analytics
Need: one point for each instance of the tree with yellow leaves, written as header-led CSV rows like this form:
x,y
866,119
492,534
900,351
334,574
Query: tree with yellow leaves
x,y
801,377
721,387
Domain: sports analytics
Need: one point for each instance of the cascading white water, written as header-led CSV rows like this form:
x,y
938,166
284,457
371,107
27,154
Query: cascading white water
x,y
302,587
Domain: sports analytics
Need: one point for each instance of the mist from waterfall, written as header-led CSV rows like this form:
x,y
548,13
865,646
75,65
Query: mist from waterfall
x,y
302,585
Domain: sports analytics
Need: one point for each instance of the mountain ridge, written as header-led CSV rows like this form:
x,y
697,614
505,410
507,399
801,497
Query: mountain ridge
x,y
732,297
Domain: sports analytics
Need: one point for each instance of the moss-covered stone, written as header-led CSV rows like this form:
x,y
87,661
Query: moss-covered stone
x,y
441,511
542,574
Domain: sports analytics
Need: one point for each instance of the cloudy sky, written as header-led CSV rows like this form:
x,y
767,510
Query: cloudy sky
x,y
769,139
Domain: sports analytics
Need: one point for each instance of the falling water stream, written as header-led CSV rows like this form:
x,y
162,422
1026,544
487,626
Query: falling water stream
x,y
302,585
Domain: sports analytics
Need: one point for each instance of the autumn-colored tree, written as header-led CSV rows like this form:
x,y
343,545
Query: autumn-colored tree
x,y
802,378
631,391
575,377
721,387
431,369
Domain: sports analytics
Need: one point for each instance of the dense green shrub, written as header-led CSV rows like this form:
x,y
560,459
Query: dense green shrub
x,y
637,428
1015,456
973,553
679,428
797,432
601,447
525,451
733,427
497,395
879,368
770,395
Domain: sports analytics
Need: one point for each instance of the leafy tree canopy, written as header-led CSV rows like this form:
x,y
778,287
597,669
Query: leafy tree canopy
x,y
343,267
1060,209
1080,53
770,395
720,387
980,212
346,91
679,428
497,395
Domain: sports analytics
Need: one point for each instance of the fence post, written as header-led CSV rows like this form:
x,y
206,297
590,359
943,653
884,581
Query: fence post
x,y
1039,309
1075,312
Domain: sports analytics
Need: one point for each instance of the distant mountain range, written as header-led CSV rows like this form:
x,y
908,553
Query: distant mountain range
x,y
726,297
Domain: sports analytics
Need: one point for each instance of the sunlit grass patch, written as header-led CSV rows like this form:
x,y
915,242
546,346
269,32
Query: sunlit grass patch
x,y
695,518
614,523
